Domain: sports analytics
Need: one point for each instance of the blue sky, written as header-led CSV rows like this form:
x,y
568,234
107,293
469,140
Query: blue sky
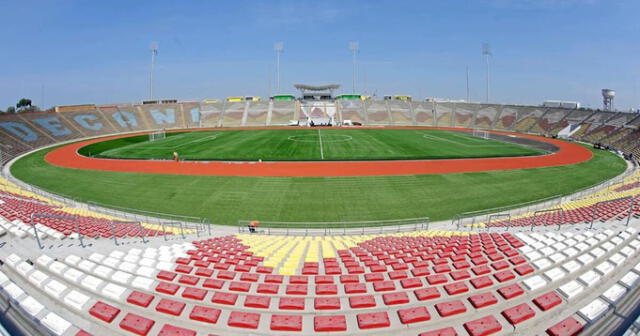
x,y
98,51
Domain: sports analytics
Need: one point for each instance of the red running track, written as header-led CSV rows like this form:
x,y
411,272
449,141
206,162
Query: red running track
x,y
568,153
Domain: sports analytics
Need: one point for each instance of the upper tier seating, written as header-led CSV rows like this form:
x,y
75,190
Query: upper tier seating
x,y
20,133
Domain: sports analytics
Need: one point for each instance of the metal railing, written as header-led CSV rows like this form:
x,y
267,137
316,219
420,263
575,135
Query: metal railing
x,y
333,228
469,219
40,215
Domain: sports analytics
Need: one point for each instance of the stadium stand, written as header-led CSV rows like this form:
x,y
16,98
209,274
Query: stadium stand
x,y
257,114
283,112
534,273
23,132
464,117
210,114
486,116
528,118
553,119
424,113
400,112
469,283
444,115
233,113
377,113
506,118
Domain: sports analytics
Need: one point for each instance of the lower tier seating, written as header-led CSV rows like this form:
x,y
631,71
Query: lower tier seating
x,y
419,283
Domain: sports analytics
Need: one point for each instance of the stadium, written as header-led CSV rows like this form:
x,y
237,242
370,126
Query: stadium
x,y
320,212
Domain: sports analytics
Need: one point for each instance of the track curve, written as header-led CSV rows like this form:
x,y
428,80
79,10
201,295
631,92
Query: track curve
x,y
568,153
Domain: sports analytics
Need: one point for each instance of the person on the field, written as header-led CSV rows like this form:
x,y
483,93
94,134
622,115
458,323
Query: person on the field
x,y
176,157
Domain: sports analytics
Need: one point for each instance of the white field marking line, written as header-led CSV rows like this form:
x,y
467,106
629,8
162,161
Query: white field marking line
x,y
296,138
321,149
167,139
428,136
213,136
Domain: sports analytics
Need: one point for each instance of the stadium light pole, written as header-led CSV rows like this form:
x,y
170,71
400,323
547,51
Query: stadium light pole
x,y
486,52
467,83
278,47
355,48
154,53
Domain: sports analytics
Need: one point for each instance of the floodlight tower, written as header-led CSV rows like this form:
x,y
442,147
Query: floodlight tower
x,y
154,53
278,47
486,52
355,48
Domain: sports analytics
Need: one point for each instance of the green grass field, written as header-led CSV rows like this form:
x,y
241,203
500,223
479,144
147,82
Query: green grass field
x,y
308,144
225,200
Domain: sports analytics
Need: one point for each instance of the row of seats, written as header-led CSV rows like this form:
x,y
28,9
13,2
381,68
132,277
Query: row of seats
x,y
612,203
413,283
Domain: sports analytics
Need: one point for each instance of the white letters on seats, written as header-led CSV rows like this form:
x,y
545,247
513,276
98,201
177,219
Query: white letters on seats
x,y
55,323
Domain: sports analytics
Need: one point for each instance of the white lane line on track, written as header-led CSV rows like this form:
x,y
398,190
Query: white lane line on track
x,y
321,149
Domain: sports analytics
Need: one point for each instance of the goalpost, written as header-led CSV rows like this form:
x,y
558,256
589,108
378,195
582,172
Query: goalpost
x,y
157,135
481,133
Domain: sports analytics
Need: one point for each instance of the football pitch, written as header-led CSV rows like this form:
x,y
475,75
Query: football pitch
x,y
225,200
314,144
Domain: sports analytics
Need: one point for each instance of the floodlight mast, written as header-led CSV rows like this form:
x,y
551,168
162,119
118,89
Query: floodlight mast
x,y
486,51
154,53
355,48
278,47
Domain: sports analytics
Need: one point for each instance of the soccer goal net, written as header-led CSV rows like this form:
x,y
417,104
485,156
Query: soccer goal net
x,y
481,133
157,135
